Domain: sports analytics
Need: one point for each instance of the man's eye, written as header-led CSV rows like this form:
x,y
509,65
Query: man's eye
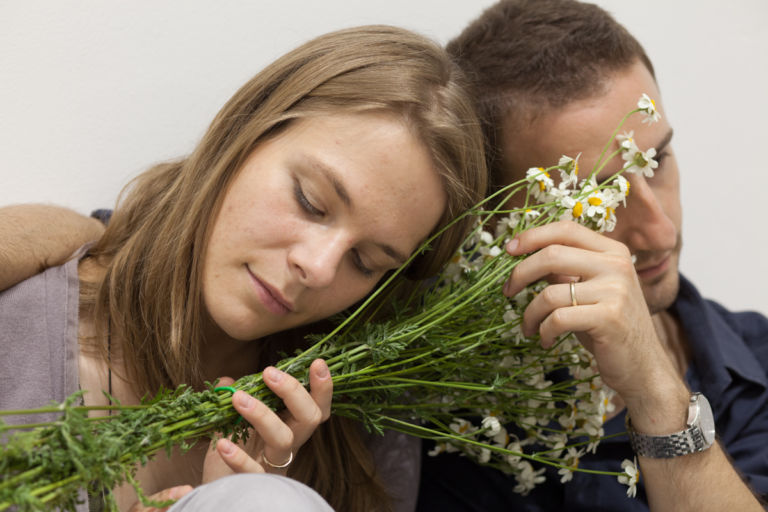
x,y
367,272
304,202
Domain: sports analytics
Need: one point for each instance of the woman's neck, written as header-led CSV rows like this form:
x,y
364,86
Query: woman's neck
x,y
223,356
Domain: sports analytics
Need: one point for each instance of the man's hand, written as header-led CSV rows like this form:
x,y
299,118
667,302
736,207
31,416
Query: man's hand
x,y
34,237
611,318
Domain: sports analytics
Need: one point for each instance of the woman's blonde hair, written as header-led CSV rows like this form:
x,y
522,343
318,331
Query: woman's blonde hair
x,y
150,297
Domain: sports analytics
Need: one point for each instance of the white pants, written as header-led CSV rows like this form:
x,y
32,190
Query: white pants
x,y
252,492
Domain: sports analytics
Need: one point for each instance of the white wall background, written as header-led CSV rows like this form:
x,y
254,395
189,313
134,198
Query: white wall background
x,y
93,92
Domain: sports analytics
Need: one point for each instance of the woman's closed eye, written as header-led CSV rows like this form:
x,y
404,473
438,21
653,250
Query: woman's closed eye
x,y
360,264
305,204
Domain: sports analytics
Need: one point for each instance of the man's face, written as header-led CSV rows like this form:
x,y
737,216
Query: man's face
x,y
650,224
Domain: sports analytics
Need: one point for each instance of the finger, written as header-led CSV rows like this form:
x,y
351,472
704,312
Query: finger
x,y
570,319
560,260
236,458
172,493
563,232
550,299
224,381
278,437
304,412
214,467
321,387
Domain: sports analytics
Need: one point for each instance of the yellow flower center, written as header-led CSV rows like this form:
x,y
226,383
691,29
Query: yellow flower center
x,y
542,186
595,201
627,191
577,210
575,167
653,103
608,213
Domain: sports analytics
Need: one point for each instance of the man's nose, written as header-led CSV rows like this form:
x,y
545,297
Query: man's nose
x,y
645,225
316,259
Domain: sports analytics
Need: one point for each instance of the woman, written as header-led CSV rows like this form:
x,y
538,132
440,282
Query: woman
x,y
321,174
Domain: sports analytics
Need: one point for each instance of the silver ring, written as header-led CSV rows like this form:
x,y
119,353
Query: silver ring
x,y
276,466
573,294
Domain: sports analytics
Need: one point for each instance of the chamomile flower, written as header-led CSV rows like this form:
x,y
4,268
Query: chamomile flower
x,y
641,162
541,183
528,478
569,171
492,425
623,184
596,204
574,208
630,476
608,221
627,142
572,459
648,106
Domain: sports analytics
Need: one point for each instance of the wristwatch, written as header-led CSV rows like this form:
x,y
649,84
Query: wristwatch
x,y
697,437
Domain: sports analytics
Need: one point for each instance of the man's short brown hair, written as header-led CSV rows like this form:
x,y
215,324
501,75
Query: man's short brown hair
x,y
529,56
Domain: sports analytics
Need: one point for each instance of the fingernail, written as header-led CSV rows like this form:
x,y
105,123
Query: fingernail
x,y
512,245
177,492
226,446
321,370
274,374
245,400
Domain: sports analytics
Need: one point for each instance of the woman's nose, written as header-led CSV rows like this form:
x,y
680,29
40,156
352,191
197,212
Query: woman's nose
x,y
317,258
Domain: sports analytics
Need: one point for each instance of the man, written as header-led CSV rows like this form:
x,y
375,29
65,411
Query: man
x,y
555,77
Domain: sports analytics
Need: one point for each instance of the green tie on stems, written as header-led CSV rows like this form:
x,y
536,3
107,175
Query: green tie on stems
x,y
450,354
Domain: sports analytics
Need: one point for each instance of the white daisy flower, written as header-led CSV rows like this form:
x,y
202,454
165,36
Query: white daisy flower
x,y
574,209
596,204
627,142
647,105
492,425
630,476
527,479
543,182
641,162
623,184
569,171
608,221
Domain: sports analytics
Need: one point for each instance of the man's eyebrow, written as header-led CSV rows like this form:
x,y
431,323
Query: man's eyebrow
x,y
665,141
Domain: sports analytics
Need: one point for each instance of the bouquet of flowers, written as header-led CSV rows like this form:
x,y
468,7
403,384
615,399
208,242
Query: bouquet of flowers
x,y
451,364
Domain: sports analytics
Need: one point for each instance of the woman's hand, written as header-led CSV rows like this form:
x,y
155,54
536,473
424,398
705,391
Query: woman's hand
x,y
275,437
173,493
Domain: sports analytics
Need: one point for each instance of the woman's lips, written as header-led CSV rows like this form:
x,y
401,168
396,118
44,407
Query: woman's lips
x,y
270,297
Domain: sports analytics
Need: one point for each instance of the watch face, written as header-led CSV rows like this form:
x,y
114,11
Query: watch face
x,y
706,420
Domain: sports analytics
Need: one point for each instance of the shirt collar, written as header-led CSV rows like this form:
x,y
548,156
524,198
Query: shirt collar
x,y
720,355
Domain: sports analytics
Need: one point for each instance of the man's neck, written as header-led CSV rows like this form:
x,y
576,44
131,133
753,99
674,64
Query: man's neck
x,y
673,339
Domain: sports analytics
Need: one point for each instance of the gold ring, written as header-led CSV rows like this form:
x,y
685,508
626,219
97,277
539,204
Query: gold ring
x,y
276,466
573,294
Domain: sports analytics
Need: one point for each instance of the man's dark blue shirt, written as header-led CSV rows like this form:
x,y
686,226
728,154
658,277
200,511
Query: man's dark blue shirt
x,y
729,365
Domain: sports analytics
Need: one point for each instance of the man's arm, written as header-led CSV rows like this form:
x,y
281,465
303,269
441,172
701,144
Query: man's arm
x,y
34,237
612,320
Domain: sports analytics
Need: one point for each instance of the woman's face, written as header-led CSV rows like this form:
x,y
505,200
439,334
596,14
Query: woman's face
x,y
314,218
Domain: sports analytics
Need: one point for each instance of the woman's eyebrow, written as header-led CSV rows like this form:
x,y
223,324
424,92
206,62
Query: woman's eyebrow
x,y
330,174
